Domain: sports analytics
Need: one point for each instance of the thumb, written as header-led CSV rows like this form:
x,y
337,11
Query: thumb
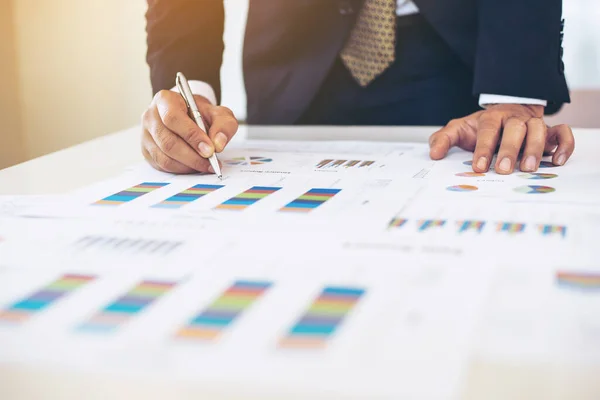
x,y
442,141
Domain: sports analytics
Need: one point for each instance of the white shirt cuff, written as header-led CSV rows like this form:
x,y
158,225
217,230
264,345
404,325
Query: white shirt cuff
x,y
486,99
201,89
406,7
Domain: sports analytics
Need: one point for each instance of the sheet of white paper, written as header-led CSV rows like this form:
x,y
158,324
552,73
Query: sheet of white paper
x,y
423,241
543,315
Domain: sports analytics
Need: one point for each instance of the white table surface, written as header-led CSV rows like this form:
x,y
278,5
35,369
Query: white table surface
x,y
104,157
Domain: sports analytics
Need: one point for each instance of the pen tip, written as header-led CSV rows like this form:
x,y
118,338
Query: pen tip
x,y
220,177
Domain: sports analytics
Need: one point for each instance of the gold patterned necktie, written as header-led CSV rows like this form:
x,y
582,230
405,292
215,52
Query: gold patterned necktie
x,y
370,50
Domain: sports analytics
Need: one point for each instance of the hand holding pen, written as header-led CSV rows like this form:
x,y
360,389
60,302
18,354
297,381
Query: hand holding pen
x,y
174,142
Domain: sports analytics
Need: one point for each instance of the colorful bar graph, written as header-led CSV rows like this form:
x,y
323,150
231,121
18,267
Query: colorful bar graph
x,y
323,163
310,200
247,198
426,224
140,297
130,194
583,281
187,196
323,318
510,227
467,226
228,307
547,230
397,223
24,309
331,163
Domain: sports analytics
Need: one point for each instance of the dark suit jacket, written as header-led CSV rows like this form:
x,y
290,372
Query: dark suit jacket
x,y
513,47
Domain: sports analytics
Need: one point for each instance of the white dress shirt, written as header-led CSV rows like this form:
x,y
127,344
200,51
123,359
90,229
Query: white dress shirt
x,y
403,7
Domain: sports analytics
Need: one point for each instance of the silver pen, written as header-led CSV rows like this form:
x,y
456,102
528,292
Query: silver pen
x,y
186,93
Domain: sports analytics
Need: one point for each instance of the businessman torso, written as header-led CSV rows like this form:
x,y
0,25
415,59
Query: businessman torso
x,y
511,48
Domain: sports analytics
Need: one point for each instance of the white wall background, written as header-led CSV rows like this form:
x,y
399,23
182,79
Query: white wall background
x,y
582,43
81,69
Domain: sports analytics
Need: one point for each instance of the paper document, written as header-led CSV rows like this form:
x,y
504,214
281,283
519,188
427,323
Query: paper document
x,y
347,268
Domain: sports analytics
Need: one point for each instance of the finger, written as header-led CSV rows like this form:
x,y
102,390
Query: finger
x,y
534,145
488,134
551,141
551,144
174,115
173,145
443,140
457,133
223,125
160,160
566,144
512,139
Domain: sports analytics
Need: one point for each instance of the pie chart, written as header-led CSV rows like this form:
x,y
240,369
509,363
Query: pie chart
x,y
245,161
462,188
538,175
534,189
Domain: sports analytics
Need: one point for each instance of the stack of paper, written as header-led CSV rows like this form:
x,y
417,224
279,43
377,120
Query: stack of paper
x,y
342,268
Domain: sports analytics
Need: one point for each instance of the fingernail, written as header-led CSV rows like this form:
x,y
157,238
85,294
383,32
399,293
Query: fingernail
x,y
562,159
205,150
220,142
482,163
529,164
505,164
211,169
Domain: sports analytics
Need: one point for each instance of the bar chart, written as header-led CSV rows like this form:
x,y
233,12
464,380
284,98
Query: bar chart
x,y
310,200
126,307
125,245
210,323
477,226
429,224
331,163
39,301
130,194
187,196
397,223
323,318
470,226
549,230
247,198
578,281
512,228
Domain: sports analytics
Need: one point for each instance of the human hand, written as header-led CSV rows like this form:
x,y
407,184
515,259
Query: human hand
x,y
171,140
515,128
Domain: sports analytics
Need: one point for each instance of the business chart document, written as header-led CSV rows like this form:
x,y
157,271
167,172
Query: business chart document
x,y
333,266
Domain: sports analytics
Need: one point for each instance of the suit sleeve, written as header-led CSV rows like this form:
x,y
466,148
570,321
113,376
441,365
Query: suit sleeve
x,y
185,36
519,50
